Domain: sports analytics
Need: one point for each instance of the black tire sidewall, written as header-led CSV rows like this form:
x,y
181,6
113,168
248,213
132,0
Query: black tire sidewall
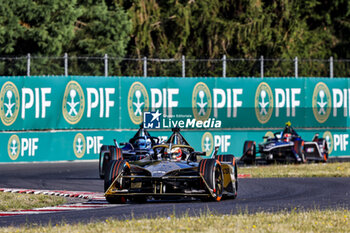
x,y
102,161
114,168
249,146
230,158
209,169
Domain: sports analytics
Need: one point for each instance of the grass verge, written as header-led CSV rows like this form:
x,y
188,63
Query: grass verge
x,y
298,170
294,221
16,201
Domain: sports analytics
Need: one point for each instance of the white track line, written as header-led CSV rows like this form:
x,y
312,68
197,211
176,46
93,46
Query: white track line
x,y
95,200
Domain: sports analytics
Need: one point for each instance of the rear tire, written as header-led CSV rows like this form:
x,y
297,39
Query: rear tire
x,y
299,150
108,153
103,160
323,143
249,152
116,153
211,171
114,169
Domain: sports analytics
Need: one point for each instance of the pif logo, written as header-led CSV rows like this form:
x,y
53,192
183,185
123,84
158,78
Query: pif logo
x,y
79,145
23,146
138,102
321,102
263,103
86,145
201,102
329,138
9,103
73,103
14,147
207,143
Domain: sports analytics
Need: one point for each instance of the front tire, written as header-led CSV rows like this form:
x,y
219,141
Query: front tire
x,y
211,171
116,169
232,187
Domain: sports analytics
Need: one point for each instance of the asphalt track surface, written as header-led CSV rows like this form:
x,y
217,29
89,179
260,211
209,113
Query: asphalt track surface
x,y
267,194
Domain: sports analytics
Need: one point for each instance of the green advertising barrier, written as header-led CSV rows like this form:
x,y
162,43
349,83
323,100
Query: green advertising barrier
x,y
58,102
75,102
85,145
47,112
238,103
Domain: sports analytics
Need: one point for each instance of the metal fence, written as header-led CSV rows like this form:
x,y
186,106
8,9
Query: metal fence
x,y
183,67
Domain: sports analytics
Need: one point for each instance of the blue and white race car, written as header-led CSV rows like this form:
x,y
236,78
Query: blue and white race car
x,y
286,146
138,147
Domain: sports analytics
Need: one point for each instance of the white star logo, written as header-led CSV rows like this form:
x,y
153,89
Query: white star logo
x,y
155,116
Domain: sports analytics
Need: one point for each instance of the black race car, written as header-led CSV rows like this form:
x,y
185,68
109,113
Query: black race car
x,y
286,146
174,170
138,147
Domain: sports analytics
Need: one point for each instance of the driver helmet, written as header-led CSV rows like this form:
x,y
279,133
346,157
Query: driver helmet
x,y
288,125
143,143
287,137
176,153
287,133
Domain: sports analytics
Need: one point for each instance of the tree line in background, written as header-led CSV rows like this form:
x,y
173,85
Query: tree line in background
x,y
169,29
